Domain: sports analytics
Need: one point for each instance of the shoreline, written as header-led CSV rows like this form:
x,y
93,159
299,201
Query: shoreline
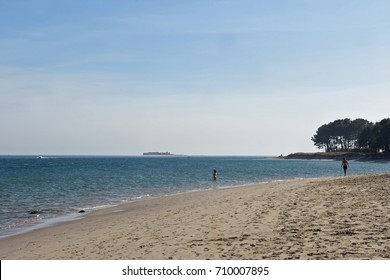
x,y
74,216
326,218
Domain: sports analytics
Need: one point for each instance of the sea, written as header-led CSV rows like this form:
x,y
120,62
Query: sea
x,y
41,191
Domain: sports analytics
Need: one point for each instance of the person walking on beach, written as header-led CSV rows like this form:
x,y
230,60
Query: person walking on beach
x,y
345,165
215,175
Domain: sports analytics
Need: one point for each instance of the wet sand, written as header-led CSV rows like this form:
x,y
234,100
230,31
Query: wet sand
x,y
332,218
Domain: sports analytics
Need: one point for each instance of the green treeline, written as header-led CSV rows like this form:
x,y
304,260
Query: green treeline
x,y
356,135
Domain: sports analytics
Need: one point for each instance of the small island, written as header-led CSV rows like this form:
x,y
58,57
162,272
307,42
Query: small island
x,y
158,154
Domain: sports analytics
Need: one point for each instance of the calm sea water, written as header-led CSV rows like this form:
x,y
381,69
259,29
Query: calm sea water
x,y
36,191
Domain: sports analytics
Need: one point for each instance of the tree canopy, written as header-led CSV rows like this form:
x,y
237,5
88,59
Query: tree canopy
x,y
348,135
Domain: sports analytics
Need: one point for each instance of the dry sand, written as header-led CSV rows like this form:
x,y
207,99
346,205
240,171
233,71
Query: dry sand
x,y
333,218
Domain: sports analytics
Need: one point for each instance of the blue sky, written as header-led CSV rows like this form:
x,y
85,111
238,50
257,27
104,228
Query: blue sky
x,y
190,77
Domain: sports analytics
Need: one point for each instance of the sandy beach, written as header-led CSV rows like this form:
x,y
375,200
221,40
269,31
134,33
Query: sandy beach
x,y
332,218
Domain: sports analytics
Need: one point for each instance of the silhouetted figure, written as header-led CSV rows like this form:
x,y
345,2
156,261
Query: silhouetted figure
x,y
215,174
345,165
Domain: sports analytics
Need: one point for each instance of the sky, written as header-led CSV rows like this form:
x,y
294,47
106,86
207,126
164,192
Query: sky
x,y
196,77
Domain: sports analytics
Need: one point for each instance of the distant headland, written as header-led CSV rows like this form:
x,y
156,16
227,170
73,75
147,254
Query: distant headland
x,y
158,154
359,156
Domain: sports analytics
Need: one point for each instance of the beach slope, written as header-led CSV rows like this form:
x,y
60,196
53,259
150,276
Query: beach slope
x,y
332,218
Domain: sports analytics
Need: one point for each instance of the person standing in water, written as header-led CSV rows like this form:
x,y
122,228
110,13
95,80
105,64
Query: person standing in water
x,y
215,175
345,165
